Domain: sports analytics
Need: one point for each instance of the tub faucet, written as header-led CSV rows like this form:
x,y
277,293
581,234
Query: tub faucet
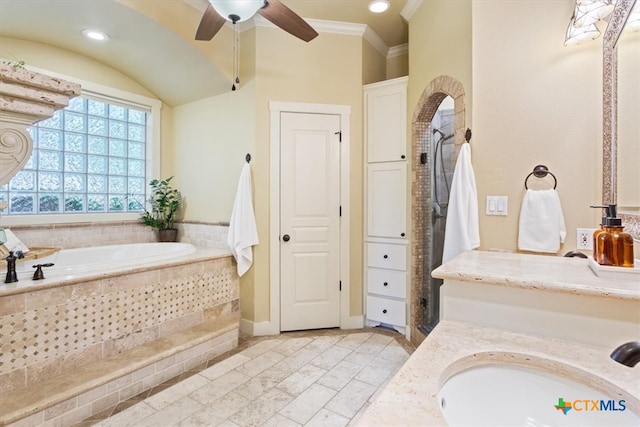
x,y
628,353
12,276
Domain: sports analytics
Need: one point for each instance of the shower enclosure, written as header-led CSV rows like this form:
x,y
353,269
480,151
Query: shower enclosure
x,y
440,146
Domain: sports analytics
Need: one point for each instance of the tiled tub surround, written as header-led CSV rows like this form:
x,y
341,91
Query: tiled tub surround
x,y
410,398
81,235
70,348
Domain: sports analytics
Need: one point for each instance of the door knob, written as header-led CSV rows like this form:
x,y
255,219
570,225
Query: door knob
x,y
286,237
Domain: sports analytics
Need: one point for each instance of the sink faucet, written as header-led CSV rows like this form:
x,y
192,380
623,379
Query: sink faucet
x,y
628,353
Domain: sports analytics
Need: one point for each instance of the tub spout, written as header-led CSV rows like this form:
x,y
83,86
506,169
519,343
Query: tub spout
x,y
12,276
628,353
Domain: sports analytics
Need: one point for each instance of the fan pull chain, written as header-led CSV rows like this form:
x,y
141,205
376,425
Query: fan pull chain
x,y
236,55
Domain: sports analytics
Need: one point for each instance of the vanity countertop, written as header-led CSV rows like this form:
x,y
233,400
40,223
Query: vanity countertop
x,y
410,398
543,272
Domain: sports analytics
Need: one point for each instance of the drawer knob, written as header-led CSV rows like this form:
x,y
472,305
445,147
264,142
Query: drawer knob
x,y
385,256
402,234
403,156
384,311
385,284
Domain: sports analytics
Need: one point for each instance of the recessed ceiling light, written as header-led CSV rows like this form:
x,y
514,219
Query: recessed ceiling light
x,y
378,6
95,35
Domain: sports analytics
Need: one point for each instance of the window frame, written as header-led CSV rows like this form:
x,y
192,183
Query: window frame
x,y
152,161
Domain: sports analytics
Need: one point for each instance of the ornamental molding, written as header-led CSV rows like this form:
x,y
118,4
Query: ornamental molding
x,y
26,97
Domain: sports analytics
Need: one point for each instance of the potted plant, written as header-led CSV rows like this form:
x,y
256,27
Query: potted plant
x,y
165,201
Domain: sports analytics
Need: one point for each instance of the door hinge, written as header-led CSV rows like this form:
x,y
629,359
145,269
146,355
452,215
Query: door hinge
x,y
340,285
339,133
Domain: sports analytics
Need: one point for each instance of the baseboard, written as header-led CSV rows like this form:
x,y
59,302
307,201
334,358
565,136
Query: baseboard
x,y
352,322
258,329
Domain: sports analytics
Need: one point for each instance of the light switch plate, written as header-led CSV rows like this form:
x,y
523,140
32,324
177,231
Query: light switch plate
x,y
497,205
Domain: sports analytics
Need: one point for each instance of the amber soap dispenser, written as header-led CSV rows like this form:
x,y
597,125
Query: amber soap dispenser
x,y
612,246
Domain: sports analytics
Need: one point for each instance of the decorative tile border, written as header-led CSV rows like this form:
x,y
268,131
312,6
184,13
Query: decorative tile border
x,y
421,232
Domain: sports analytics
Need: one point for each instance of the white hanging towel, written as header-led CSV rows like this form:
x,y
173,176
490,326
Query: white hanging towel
x,y
462,231
542,227
243,234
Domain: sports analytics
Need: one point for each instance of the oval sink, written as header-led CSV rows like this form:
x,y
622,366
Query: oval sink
x,y
510,395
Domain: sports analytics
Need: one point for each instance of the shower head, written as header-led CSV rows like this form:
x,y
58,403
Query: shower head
x,y
443,137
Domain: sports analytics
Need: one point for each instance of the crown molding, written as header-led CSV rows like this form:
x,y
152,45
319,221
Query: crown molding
x,y
331,27
410,8
395,51
376,41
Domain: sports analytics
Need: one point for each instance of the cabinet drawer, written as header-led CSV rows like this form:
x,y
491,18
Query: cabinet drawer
x,y
392,283
382,255
386,311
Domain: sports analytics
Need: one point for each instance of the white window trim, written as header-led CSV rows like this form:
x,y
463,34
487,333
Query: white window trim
x,y
154,106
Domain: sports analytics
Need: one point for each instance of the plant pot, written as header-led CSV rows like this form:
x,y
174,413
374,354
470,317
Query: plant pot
x,y
168,235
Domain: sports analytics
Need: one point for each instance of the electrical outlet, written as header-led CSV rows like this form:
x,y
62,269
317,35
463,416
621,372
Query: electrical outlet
x,y
584,238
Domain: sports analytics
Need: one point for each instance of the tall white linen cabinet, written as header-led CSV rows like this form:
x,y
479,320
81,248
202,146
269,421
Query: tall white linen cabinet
x,y
386,248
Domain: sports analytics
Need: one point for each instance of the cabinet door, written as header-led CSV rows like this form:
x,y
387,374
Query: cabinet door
x,y
387,199
386,118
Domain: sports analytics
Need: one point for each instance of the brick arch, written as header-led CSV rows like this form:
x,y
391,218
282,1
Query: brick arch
x,y
435,92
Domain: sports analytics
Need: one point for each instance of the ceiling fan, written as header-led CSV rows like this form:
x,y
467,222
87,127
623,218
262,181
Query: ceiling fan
x,y
220,11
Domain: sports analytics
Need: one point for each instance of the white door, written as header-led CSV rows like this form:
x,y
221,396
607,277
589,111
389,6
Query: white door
x,y
309,221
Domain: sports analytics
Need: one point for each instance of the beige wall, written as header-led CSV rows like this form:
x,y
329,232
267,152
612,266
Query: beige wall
x,y
398,66
373,64
535,101
440,44
529,100
211,138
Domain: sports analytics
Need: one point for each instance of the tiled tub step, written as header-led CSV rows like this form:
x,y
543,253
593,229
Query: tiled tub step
x,y
90,389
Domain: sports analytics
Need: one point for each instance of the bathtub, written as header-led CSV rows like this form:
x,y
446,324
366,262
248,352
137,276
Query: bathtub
x,y
71,263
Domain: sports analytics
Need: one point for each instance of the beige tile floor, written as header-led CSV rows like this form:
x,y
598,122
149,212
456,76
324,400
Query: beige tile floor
x,y
313,378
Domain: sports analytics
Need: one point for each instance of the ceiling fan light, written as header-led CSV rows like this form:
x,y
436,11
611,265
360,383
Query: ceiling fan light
x,y
245,9
378,6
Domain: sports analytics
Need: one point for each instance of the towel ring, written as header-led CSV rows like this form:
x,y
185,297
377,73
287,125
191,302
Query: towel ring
x,y
540,171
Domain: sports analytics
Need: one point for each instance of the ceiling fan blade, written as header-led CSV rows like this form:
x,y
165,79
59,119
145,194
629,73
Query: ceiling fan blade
x,y
210,24
280,15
